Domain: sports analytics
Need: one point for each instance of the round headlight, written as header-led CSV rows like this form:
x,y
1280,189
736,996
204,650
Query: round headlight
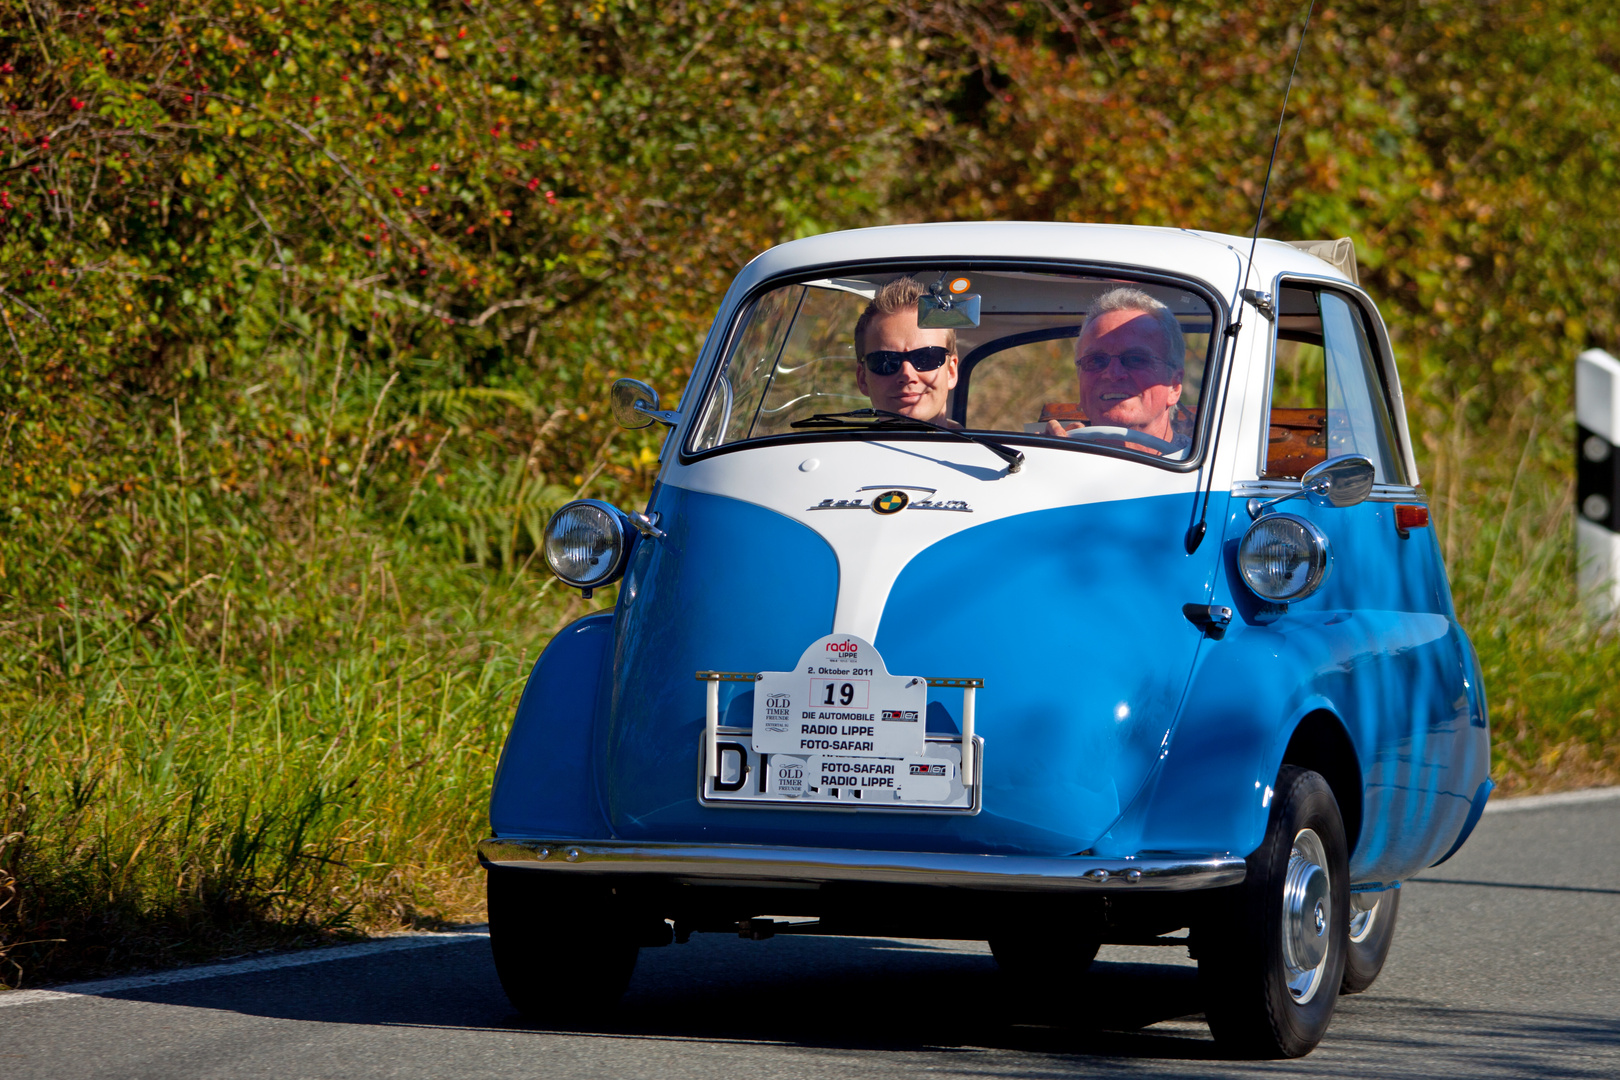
x,y
586,543
1283,558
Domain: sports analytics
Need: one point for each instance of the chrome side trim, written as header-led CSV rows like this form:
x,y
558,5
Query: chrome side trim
x,y
1171,872
1271,489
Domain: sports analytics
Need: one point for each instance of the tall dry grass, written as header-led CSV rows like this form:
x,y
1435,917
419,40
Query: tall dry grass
x,y
265,706
1503,502
308,762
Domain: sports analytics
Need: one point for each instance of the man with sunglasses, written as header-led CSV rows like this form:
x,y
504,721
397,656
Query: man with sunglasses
x,y
902,367
1129,359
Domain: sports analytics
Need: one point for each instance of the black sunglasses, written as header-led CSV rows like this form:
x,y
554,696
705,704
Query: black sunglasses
x,y
927,358
1095,362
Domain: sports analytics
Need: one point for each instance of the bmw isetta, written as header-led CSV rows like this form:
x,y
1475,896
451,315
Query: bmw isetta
x,y
1050,585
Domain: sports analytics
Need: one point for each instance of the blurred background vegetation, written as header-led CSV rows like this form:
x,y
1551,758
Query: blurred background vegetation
x,y
309,307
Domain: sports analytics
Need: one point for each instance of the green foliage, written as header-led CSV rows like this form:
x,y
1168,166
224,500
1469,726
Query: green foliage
x,y
497,204
1469,149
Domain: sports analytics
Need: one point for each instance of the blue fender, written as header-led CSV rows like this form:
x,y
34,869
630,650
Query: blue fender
x,y
1249,695
1478,717
1210,790
544,785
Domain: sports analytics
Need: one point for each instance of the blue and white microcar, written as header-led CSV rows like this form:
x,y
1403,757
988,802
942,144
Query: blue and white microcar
x,y
1051,585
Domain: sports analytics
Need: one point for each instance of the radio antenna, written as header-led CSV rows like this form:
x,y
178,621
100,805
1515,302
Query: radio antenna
x,y
1262,302
1265,188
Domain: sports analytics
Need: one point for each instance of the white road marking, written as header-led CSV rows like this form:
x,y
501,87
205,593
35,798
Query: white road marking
x,y
1561,798
398,943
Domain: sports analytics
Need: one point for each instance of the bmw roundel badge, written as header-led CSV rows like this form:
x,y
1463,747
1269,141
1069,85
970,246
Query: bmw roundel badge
x,y
890,502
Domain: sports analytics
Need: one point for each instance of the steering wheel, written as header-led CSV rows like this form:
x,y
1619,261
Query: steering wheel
x,y
1104,433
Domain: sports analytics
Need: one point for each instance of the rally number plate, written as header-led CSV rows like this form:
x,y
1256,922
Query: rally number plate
x,y
838,731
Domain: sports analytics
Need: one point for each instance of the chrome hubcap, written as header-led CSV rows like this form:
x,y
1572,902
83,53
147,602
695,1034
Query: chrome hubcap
x,y
1307,916
1363,915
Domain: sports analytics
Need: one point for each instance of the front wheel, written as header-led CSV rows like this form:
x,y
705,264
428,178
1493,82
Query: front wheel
x,y
563,949
1271,951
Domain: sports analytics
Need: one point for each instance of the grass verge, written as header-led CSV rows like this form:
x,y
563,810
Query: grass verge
x,y
309,762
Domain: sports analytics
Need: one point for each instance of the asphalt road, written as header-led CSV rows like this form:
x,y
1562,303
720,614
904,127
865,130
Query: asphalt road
x,y
1507,963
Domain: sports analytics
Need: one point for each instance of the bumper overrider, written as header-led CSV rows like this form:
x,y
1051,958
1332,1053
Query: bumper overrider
x,y
709,863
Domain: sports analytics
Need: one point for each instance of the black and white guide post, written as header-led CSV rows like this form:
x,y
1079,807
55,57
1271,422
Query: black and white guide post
x,y
1597,479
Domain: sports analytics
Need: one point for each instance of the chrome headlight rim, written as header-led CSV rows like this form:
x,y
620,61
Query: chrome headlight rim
x,y
1319,551
621,538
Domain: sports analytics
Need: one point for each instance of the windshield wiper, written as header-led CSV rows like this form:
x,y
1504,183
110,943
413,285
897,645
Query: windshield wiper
x,y
893,421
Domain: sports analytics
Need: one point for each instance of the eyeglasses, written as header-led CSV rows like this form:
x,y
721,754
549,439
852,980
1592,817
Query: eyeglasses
x,y
927,358
1094,362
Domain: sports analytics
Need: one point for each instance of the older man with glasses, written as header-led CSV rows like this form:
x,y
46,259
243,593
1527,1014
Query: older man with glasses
x,y
902,367
1129,359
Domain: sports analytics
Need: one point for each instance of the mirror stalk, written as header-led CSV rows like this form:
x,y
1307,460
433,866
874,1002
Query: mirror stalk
x,y
1341,481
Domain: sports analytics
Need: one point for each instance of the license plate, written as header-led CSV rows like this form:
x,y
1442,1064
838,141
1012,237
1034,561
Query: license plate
x,y
839,731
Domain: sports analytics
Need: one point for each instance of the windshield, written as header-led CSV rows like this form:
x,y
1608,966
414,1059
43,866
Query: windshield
x,y
1064,359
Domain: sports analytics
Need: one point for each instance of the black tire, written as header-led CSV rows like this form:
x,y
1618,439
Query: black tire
x,y
1369,943
1044,963
564,949
1264,997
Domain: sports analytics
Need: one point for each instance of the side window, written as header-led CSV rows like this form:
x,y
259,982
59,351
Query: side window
x,y
1327,390
730,413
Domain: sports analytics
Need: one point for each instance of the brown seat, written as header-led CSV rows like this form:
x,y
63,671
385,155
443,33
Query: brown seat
x,y
1298,440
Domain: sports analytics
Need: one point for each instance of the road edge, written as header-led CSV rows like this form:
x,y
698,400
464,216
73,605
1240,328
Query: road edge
x,y
101,987
1559,798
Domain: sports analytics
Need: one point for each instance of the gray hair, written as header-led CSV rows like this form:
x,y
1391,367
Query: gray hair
x,y
1126,298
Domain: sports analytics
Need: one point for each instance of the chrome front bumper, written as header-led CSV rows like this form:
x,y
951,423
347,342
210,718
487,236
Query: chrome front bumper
x,y
709,863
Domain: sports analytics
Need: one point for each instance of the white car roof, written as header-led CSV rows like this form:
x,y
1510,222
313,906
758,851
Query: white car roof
x,y
1215,258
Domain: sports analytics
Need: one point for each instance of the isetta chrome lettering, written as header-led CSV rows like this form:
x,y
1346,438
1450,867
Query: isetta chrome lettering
x,y
1052,585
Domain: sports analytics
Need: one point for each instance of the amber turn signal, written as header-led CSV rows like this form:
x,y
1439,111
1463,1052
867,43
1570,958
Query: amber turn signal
x,y
1408,517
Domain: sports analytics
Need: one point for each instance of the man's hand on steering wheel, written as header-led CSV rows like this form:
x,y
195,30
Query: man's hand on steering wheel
x,y
1104,433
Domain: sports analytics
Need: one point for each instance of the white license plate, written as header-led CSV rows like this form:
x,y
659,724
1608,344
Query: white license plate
x,y
928,781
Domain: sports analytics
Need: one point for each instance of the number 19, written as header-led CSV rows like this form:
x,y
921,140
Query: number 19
x,y
846,694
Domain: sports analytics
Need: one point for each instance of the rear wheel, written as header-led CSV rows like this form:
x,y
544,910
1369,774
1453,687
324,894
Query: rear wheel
x,y
564,949
1271,951
1372,928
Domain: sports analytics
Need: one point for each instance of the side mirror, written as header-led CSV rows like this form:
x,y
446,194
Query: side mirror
x,y
635,405
1340,481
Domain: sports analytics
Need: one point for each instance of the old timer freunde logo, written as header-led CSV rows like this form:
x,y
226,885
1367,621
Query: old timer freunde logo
x,y
890,502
